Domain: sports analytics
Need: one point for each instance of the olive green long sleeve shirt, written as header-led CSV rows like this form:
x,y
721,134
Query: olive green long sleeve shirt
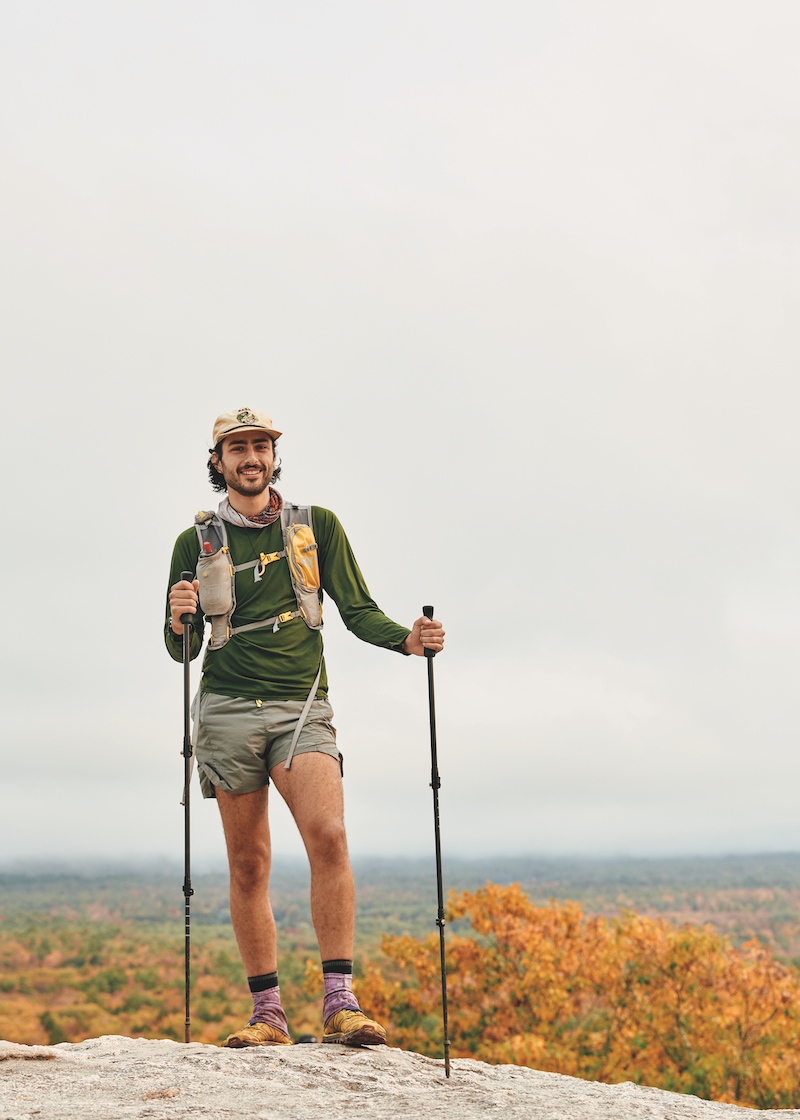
x,y
260,664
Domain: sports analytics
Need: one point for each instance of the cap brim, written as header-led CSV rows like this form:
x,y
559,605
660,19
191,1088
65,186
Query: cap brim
x,y
249,428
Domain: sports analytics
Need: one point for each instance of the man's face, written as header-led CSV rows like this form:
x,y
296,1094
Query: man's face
x,y
246,462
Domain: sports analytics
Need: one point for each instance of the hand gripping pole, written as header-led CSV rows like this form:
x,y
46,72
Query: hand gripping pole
x,y
435,784
186,620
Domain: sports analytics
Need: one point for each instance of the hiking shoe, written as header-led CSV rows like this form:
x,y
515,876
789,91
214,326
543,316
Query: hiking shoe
x,y
258,1034
353,1028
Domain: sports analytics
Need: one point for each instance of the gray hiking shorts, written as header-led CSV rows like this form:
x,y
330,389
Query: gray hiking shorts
x,y
238,741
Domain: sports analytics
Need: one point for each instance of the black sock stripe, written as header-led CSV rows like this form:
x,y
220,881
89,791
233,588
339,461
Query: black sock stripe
x,y
344,967
263,983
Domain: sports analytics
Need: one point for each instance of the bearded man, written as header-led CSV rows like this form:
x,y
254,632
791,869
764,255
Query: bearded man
x,y
262,712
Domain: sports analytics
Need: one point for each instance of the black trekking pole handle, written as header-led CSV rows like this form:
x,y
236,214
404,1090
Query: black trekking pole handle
x,y
428,612
435,784
187,620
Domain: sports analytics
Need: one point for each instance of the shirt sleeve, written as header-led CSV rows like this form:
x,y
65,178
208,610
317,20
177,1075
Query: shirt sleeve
x,y
184,559
342,579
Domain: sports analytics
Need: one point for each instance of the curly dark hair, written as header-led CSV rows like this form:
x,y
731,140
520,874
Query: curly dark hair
x,y
218,481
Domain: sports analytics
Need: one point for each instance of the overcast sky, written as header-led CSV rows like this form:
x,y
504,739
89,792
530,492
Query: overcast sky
x,y
519,282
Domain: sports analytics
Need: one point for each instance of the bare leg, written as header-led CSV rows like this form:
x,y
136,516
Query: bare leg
x,y
312,788
246,827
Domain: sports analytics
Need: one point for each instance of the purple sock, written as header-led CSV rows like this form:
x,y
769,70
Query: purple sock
x,y
267,1002
338,979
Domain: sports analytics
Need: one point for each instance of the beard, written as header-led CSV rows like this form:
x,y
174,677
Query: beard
x,y
250,487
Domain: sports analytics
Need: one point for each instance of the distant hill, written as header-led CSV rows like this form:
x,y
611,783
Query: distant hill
x,y
740,895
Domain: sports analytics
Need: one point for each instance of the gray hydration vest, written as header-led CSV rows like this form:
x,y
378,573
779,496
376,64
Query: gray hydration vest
x,y
217,575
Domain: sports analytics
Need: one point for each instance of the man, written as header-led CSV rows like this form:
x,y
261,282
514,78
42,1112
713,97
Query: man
x,y
262,712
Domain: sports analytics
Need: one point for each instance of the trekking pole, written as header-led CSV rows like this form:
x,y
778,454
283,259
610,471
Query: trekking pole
x,y
435,784
187,621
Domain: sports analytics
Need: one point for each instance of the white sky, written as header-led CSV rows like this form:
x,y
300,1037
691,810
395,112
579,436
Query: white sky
x,y
519,281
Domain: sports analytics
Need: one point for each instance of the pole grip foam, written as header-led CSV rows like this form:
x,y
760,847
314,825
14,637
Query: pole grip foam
x,y
186,619
428,612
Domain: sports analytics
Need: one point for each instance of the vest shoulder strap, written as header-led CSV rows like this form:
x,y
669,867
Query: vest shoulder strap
x,y
295,515
211,532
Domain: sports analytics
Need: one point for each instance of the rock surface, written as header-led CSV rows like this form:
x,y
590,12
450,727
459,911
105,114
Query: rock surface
x,y
112,1078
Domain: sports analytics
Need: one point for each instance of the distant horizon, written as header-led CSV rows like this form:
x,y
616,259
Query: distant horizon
x,y
154,866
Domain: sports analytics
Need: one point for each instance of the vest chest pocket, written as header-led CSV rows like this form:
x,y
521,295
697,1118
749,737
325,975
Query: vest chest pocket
x,y
301,553
215,576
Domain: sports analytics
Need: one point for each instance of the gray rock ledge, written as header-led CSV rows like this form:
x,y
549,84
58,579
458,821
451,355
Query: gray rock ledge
x,y
113,1078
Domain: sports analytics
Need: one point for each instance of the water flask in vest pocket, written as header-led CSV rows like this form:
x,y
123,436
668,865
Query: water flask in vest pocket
x,y
301,554
215,576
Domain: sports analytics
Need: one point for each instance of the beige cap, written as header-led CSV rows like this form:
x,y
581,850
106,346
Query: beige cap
x,y
242,420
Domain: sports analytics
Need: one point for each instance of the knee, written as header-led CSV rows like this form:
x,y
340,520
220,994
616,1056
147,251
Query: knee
x,y
249,870
328,841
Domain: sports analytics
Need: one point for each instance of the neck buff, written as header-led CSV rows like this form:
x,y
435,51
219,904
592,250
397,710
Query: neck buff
x,y
268,515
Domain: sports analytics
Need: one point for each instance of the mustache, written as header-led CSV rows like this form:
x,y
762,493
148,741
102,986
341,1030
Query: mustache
x,y
250,467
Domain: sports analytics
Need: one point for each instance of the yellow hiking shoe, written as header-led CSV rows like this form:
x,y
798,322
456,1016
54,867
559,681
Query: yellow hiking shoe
x,y
353,1028
258,1034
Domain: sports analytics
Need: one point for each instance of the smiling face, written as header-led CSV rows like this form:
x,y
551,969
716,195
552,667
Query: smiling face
x,y
246,462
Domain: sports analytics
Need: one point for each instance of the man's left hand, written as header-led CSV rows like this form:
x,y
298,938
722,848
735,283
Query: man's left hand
x,y
426,633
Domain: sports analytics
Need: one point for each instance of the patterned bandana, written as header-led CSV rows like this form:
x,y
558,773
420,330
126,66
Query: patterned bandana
x,y
268,515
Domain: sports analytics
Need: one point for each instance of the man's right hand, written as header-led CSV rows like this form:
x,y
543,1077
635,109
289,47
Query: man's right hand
x,y
182,600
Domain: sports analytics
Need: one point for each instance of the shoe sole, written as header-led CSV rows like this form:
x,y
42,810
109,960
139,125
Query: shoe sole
x,y
364,1036
240,1044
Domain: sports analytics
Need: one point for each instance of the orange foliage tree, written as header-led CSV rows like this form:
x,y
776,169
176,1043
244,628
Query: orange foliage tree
x,y
632,998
